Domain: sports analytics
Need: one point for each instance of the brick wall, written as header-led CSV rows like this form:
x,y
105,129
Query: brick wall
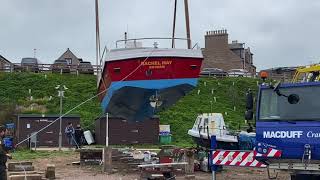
x,y
217,53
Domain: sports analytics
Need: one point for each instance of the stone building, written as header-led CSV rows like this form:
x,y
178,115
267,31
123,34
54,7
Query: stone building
x,y
218,53
70,58
5,64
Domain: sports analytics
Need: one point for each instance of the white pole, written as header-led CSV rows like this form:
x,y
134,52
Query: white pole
x,y
60,119
107,130
213,175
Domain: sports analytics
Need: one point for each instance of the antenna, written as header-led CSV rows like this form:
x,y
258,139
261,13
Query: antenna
x,y
34,52
125,38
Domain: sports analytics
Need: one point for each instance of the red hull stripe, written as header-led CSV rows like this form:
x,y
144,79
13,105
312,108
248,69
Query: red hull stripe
x,y
153,68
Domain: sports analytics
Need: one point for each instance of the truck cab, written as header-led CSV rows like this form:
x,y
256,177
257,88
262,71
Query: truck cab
x,y
288,119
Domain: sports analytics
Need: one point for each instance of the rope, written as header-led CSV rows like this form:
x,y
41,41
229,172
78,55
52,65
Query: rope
x,y
89,99
25,173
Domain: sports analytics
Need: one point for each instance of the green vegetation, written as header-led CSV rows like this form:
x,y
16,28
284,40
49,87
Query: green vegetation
x,y
15,89
182,115
21,155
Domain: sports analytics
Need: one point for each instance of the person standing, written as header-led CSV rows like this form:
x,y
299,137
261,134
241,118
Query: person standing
x,y
4,155
69,131
78,135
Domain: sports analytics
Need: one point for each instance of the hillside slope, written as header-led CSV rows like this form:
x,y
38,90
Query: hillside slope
x,y
15,90
229,92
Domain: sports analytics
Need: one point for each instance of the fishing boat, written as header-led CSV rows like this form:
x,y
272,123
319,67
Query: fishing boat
x,y
139,81
136,81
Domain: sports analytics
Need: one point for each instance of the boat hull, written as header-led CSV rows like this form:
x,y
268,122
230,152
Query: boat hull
x,y
131,100
136,83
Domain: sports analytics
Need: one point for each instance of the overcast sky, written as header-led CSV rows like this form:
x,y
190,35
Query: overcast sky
x,y
279,32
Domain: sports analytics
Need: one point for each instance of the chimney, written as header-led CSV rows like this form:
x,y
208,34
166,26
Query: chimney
x,y
216,38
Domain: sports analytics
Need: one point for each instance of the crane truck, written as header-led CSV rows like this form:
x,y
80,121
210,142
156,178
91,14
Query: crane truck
x,y
287,131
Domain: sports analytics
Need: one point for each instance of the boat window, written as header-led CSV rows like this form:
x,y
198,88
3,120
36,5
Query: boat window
x,y
193,67
205,124
116,70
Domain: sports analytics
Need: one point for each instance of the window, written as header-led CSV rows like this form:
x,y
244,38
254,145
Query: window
x,y
193,67
69,60
117,70
205,125
274,107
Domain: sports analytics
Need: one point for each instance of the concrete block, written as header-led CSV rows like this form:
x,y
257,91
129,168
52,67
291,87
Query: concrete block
x,y
50,171
20,166
12,166
190,176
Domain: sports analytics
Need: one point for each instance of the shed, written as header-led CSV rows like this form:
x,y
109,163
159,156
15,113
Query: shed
x,y
122,131
26,124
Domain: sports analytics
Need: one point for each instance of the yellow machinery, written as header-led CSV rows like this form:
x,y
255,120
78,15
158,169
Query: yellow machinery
x,y
307,74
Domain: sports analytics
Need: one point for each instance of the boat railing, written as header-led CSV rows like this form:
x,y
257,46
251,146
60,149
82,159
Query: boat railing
x,y
135,42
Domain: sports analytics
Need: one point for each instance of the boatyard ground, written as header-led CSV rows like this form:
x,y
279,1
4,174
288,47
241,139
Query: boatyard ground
x,y
65,169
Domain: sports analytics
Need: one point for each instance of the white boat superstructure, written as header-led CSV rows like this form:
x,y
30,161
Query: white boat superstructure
x,y
209,124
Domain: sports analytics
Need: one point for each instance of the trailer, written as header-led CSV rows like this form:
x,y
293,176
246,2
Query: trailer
x,y
287,131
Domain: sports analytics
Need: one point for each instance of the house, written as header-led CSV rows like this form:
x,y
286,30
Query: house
x,y
72,59
218,53
5,64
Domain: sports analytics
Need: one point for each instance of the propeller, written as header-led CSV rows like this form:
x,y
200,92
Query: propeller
x,y
155,101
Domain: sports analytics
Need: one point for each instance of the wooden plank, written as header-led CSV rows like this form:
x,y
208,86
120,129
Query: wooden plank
x,y
162,165
25,176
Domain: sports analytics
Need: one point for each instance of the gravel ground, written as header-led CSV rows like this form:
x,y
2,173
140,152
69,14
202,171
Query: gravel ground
x,y
65,170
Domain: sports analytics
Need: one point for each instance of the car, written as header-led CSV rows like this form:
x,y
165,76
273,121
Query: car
x,y
213,72
85,68
29,64
60,66
239,73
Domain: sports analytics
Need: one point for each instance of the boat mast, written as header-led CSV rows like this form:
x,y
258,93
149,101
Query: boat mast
x,y
186,9
174,23
97,38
